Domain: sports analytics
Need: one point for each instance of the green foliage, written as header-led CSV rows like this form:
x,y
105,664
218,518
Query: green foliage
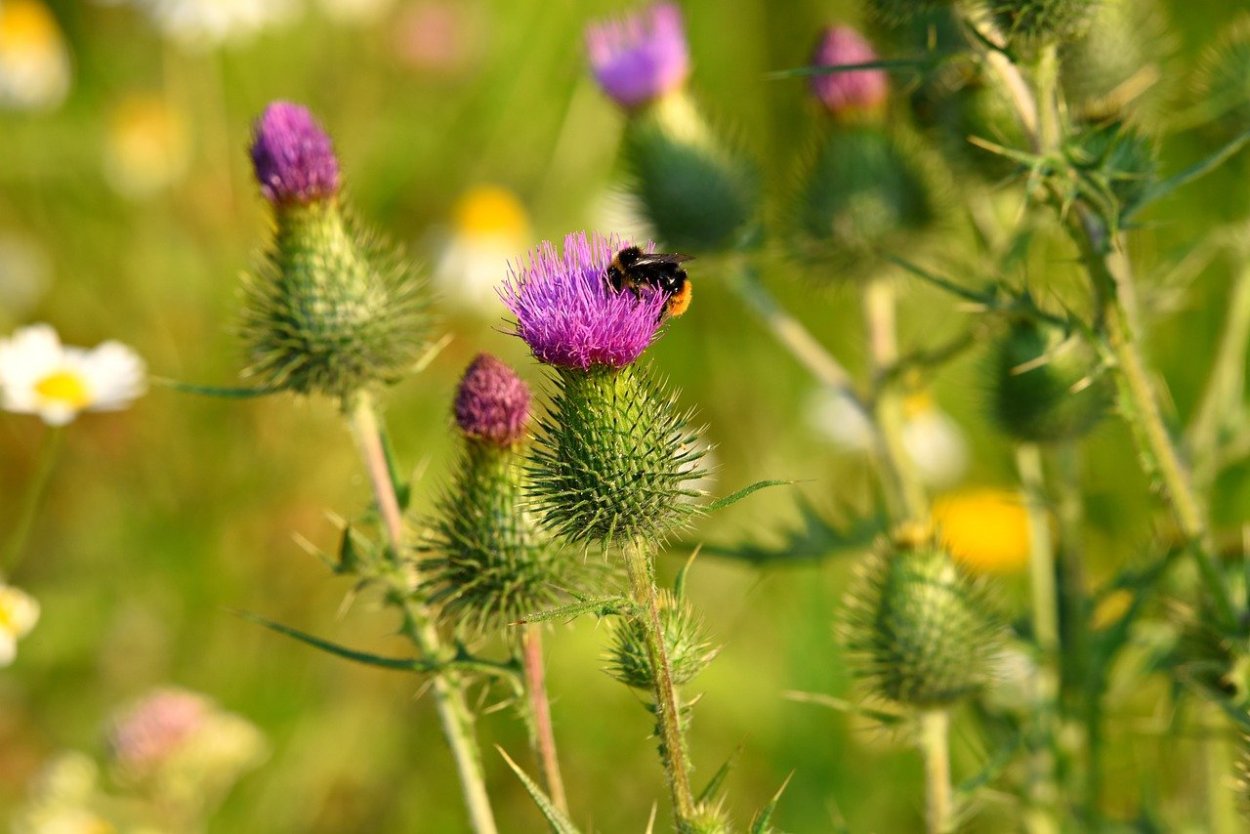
x,y
1118,165
1028,24
895,11
920,631
612,458
486,561
558,820
331,310
708,818
1224,77
1046,383
1120,67
689,651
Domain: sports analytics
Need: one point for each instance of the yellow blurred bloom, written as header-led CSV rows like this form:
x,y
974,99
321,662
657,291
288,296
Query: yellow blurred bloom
x,y
985,529
489,227
38,375
1110,609
34,60
147,147
19,612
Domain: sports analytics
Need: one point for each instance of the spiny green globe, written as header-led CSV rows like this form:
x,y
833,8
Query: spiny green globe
x,y
689,652
918,628
613,459
1032,23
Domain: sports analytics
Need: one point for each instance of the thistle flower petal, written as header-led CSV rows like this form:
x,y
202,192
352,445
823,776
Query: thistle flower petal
x,y
856,91
492,402
640,58
569,315
292,156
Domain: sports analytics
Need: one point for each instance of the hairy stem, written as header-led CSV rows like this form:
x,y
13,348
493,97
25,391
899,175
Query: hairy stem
x,y
1042,818
543,736
454,715
935,747
638,564
910,500
49,451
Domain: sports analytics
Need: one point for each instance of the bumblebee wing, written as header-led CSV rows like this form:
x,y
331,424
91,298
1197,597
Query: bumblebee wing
x,y
660,258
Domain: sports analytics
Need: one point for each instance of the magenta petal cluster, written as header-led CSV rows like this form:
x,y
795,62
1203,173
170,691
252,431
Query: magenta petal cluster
x,y
640,58
856,90
156,727
570,316
293,157
492,402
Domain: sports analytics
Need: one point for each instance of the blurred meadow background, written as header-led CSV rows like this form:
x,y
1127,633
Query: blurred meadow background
x,y
468,131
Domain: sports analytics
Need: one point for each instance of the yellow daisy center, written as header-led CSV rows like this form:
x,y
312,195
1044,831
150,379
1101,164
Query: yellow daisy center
x,y
64,387
490,210
986,529
917,403
26,24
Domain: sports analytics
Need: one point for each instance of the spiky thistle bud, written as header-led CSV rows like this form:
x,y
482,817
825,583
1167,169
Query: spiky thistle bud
x,y
919,629
688,649
1118,67
487,562
1032,23
1224,78
855,94
863,191
696,192
331,310
1046,383
708,818
898,11
614,456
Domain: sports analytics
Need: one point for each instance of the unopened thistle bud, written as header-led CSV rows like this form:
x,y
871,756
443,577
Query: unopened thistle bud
x,y
864,192
331,310
854,94
1046,384
614,457
708,818
1225,77
919,629
488,564
1033,23
688,649
697,194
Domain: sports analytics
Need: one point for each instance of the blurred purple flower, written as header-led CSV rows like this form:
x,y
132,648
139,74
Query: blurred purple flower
x,y
856,91
293,157
156,727
640,58
569,315
492,402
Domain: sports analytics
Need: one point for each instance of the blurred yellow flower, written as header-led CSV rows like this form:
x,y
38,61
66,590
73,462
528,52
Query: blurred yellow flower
x,y
38,375
147,147
19,612
985,529
1110,609
489,227
34,60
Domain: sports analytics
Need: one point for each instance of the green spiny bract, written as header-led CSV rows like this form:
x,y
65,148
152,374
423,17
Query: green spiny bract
x,y
688,650
488,563
920,630
1029,24
1046,383
708,818
612,459
862,193
1118,165
697,195
896,11
1116,69
331,310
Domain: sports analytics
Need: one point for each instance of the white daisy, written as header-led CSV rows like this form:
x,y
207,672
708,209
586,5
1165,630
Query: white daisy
x,y
38,375
19,612
211,23
489,227
34,61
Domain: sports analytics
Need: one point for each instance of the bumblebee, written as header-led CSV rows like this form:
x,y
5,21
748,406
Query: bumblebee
x,y
634,268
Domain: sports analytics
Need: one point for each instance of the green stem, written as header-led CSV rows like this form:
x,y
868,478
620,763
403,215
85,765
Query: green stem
x,y
454,715
638,564
49,452
910,500
1043,817
935,747
543,738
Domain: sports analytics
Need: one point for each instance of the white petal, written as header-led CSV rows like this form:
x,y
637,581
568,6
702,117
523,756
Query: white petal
x,y
19,611
936,444
115,374
27,356
8,648
839,420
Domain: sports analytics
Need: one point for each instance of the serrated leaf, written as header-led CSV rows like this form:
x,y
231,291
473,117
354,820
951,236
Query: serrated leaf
x,y
403,491
885,719
814,538
679,582
601,607
560,824
730,500
402,664
349,557
718,779
225,393
1194,172
762,824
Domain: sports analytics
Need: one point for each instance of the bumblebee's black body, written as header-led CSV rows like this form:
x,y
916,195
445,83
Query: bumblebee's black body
x,y
634,268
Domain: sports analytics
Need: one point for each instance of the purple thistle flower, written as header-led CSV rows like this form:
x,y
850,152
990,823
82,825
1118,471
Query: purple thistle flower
x,y
856,91
293,157
492,402
569,315
156,727
639,58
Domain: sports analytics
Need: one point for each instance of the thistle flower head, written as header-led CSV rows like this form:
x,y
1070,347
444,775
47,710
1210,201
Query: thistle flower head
x,y
1030,23
848,93
639,58
688,649
570,316
492,402
292,156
